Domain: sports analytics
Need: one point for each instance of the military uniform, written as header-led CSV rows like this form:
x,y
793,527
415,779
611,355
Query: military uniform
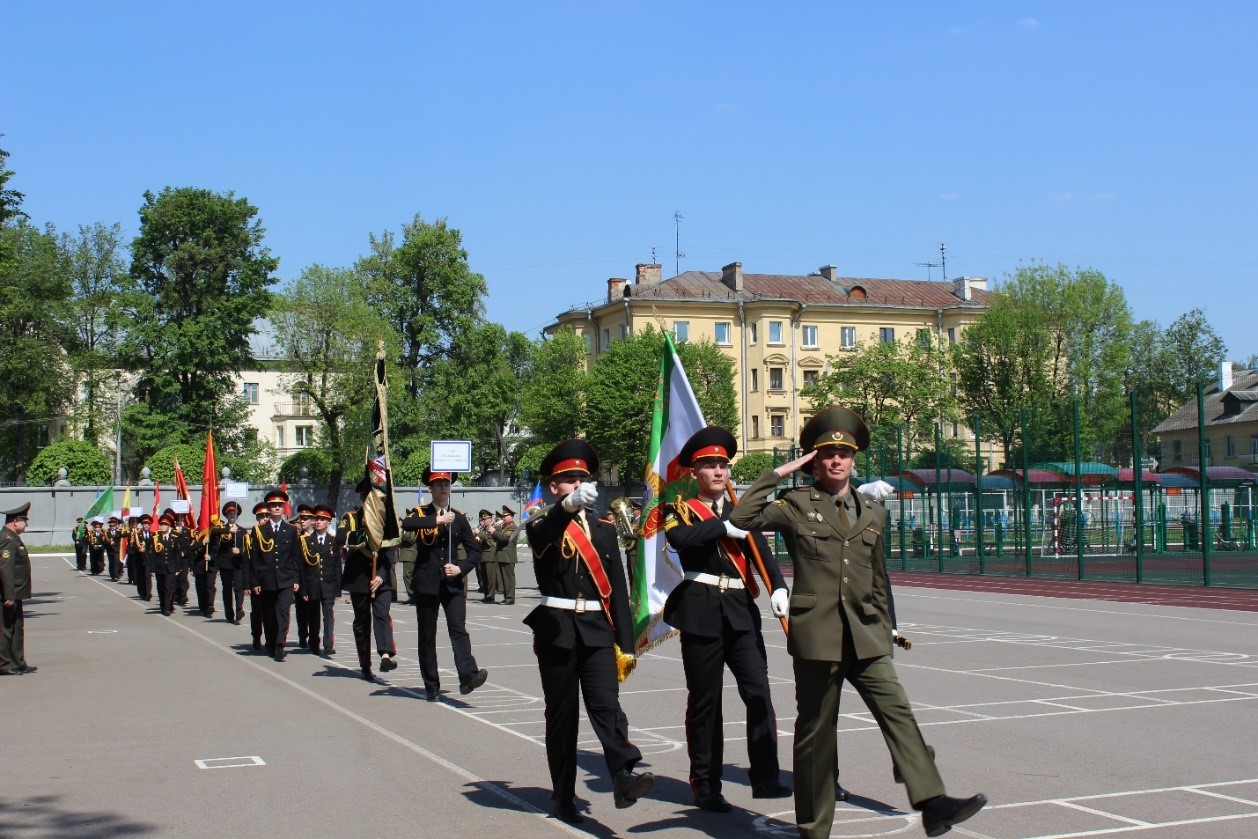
x,y
97,546
165,558
435,546
505,554
488,567
301,608
320,583
137,552
371,614
255,599
840,629
715,610
15,586
79,537
273,569
225,549
112,547
579,628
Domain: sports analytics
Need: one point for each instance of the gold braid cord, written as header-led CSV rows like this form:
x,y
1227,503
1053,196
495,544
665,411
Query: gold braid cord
x,y
266,547
312,561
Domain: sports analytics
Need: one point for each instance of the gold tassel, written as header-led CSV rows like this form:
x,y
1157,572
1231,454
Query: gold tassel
x,y
624,663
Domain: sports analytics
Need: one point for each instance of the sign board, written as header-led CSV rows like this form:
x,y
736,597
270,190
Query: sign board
x,y
235,489
451,456
180,506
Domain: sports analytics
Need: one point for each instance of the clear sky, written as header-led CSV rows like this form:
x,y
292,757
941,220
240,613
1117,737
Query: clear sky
x,y
562,137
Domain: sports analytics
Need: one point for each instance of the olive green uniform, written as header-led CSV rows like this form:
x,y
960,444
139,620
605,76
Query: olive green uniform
x,y
15,586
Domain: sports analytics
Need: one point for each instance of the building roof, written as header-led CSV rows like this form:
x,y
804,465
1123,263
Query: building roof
x,y
1237,404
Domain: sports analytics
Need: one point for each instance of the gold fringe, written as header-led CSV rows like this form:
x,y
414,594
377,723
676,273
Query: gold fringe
x,y
625,663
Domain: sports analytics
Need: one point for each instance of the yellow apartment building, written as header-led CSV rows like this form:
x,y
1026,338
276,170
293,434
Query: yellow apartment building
x,y
778,329
1231,412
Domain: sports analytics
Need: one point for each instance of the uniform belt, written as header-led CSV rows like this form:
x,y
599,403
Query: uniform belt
x,y
580,605
721,581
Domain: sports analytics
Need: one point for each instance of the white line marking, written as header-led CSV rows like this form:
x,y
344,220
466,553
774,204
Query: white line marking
x,y
229,762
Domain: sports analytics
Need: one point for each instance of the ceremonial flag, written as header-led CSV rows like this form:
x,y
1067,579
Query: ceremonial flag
x,y
157,503
209,489
126,503
380,521
103,502
675,417
181,493
533,504
288,508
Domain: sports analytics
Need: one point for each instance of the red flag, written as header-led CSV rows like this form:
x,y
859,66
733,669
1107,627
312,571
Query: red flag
x,y
288,508
157,502
181,492
209,489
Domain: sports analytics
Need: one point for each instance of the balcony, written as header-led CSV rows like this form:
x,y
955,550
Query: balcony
x,y
295,409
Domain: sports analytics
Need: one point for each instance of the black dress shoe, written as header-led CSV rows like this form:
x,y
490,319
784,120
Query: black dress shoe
x,y
771,789
567,812
367,674
281,654
628,786
472,682
713,803
29,668
257,645
895,770
508,603
940,813
12,671
329,652
840,794
433,696
388,663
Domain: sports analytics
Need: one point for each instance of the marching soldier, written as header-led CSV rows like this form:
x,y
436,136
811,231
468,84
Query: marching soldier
x,y
187,558
714,608
260,514
79,537
320,580
367,581
582,631
129,533
273,571
439,584
15,587
841,627
224,547
304,522
164,560
114,532
137,553
504,554
97,546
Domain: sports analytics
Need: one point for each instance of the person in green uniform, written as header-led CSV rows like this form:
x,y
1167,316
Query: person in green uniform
x,y
504,554
840,623
15,586
488,568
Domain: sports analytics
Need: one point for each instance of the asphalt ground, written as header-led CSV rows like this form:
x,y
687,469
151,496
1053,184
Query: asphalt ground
x,y
1076,716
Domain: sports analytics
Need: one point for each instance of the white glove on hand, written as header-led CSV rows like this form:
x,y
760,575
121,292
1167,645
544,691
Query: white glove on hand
x,y
734,532
876,491
583,496
780,600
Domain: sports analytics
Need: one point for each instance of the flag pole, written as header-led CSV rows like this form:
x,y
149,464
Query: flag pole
x,y
756,558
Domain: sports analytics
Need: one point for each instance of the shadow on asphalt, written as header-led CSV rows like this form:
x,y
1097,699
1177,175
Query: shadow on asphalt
x,y
41,816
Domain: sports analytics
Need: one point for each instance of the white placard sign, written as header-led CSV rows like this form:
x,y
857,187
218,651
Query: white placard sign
x,y
235,489
451,456
180,506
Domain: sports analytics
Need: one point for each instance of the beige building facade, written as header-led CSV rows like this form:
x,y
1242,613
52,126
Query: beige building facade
x,y
1231,413
779,330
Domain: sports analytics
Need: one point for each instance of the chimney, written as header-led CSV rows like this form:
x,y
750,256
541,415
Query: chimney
x,y
964,287
732,276
649,275
830,272
616,289
1225,375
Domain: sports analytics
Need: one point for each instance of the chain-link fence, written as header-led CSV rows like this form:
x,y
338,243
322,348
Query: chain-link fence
x,y
1065,518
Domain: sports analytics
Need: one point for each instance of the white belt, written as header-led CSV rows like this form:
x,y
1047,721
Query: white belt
x,y
580,605
722,581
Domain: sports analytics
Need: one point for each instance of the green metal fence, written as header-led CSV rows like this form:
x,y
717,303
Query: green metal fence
x,y
1068,518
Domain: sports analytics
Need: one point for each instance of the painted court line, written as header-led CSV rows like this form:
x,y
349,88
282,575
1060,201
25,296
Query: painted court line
x,y
229,762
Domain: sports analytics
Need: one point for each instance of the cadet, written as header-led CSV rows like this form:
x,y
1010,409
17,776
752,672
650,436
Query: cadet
x,y
256,624
504,554
112,546
304,522
841,624
582,631
714,608
224,547
273,571
164,560
439,583
15,586
97,546
320,580
367,581
137,552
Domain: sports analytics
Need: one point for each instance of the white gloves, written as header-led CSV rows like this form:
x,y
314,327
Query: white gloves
x,y
734,532
780,600
583,496
876,491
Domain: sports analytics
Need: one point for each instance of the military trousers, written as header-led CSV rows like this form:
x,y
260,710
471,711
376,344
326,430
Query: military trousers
x,y
12,637
276,608
506,581
371,614
454,603
493,578
319,612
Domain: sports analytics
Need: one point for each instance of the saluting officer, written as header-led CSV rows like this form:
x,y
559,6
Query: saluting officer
x,y
439,583
320,580
582,631
714,608
840,623
363,579
273,572
225,548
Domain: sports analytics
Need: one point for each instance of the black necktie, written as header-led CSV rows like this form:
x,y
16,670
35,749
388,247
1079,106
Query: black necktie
x,y
716,507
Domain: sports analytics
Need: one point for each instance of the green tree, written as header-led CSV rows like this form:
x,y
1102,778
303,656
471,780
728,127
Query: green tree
x,y
317,463
85,464
10,199
552,396
748,467
411,472
199,279
711,375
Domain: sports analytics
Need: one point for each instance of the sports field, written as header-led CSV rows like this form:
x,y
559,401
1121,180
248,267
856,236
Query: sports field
x,y
1080,709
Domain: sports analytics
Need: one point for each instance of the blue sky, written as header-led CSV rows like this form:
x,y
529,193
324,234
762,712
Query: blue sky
x,y
561,137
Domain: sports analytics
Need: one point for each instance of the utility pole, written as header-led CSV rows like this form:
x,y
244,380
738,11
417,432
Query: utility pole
x,y
677,254
943,261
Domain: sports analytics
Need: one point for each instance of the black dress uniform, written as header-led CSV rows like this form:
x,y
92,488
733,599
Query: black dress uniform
x,y
301,608
97,546
255,599
137,557
320,582
371,614
112,546
164,558
15,586
273,568
225,548
575,638
435,546
715,610
130,530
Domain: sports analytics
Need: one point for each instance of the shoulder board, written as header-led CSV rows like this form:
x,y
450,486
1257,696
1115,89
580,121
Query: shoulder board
x,y
458,512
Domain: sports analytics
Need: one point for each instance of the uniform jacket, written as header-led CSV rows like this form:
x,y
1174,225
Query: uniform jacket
x,y
15,566
98,542
504,544
433,550
274,557
219,544
698,607
560,576
355,557
163,553
137,545
320,567
837,570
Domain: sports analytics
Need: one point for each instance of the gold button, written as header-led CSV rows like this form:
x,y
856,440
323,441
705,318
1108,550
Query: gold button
x,y
845,581
847,562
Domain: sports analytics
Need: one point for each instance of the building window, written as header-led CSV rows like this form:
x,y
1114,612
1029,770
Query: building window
x,y
624,331
754,332
1177,451
303,436
589,342
1253,444
250,391
607,338
810,336
775,378
847,339
952,334
755,380
279,437
775,332
810,377
722,334
777,425
923,338
1231,447
755,427
681,330
956,430
886,334
303,405
1209,457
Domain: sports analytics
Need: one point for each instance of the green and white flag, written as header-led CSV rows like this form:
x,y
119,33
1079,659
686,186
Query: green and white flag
x,y
104,503
657,570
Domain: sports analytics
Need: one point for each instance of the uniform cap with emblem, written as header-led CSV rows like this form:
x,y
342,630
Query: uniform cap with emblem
x,y
146,519
98,521
575,456
168,519
834,427
323,511
711,443
277,496
259,509
507,511
430,476
231,505
485,514
115,520
305,510
19,512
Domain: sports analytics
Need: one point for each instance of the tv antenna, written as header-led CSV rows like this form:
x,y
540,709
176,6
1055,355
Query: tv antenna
x,y
927,266
943,261
677,254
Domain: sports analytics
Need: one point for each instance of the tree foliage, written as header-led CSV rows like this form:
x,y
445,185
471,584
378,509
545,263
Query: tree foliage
x,y
748,467
552,396
317,463
85,464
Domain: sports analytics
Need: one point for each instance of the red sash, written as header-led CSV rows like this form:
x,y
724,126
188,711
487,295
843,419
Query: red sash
x,y
575,534
732,549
